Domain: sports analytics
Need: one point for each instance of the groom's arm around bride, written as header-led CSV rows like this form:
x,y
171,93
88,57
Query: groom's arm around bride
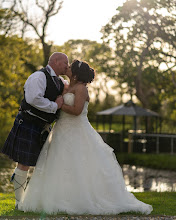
x,y
39,108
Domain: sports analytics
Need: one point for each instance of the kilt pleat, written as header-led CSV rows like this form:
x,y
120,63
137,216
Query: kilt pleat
x,y
23,142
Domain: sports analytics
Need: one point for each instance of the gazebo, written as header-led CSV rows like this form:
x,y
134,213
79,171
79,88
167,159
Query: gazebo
x,y
127,109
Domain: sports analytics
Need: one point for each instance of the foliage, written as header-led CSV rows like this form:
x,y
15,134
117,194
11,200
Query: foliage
x,y
26,21
98,57
96,54
163,204
5,20
141,64
144,39
24,57
15,58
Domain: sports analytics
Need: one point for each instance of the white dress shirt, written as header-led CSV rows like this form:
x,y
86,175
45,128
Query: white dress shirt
x,y
35,88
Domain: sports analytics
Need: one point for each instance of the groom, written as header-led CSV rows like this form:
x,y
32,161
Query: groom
x,y
39,108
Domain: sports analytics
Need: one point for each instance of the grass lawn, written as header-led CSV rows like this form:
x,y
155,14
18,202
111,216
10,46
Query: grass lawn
x,y
154,161
163,204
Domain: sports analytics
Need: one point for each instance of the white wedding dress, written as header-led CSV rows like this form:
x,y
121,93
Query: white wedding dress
x,y
77,173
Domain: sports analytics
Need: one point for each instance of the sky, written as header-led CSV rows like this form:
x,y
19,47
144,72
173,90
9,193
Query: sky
x,y
81,19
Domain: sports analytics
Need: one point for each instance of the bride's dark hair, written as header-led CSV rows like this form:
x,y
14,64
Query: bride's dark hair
x,y
82,71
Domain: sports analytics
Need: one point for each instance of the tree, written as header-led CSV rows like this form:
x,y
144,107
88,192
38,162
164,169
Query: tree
x,y
6,18
143,33
98,56
14,54
37,23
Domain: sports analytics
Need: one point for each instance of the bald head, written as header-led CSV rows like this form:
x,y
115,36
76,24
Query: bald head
x,y
56,56
59,63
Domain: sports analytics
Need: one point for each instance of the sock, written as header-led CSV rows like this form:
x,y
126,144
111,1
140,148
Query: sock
x,y
19,179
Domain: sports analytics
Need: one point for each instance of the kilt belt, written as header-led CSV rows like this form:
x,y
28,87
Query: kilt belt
x,y
35,120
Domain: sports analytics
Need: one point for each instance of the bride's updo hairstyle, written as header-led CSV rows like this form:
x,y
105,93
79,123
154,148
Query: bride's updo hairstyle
x,y
82,72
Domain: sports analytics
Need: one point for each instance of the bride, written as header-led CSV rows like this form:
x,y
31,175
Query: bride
x,y
77,173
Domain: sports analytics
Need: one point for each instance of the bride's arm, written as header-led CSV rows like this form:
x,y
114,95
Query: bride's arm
x,y
81,95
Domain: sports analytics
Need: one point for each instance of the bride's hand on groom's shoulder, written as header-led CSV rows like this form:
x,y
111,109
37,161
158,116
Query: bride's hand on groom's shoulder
x,y
59,101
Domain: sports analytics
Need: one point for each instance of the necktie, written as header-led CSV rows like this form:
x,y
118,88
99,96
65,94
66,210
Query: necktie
x,y
56,80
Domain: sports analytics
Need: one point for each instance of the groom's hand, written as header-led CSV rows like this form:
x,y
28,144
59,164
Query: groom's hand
x,y
59,101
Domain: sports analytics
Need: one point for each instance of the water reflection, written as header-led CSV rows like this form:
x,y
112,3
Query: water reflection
x,y
5,185
5,175
137,179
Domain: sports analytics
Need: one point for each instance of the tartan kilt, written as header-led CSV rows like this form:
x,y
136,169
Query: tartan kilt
x,y
23,142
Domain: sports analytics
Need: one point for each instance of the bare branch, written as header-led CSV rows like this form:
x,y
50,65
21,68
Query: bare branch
x,y
40,6
49,9
168,55
170,68
26,21
57,10
22,8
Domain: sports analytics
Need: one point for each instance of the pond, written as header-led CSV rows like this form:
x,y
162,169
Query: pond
x,y
137,179
140,179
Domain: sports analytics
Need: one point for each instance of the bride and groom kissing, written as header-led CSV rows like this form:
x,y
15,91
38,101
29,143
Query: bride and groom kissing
x,y
75,171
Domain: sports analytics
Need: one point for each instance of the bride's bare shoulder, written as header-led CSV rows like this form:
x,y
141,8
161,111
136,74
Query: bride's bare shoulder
x,y
82,91
81,87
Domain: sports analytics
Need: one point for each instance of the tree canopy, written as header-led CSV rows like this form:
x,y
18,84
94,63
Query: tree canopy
x,y
138,53
33,16
15,55
143,35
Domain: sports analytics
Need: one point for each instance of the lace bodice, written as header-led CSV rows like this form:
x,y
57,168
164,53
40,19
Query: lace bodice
x,y
69,100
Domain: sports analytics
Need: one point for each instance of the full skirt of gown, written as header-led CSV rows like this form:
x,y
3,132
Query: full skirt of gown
x,y
77,173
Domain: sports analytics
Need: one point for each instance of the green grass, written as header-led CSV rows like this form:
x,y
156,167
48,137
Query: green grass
x,y
163,204
155,161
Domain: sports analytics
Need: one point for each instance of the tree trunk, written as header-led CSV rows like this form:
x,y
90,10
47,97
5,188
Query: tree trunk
x,y
46,52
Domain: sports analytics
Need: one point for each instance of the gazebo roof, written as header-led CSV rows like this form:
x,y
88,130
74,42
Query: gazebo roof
x,y
129,108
